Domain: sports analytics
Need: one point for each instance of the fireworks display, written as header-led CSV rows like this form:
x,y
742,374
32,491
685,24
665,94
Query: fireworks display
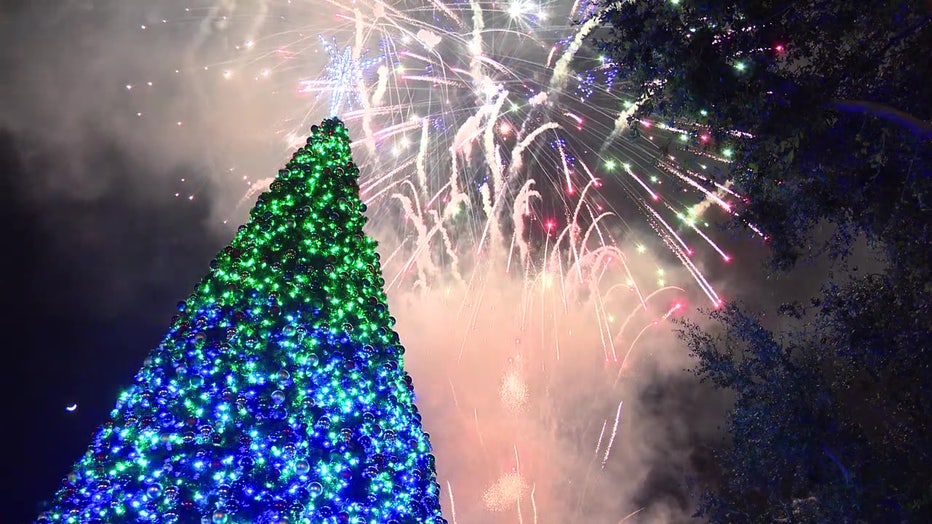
x,y
521,218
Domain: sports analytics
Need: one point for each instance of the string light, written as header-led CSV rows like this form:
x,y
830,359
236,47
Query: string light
x,y
278,394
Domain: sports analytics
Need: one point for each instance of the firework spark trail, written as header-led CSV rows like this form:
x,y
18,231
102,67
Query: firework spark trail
x,y
725,256
632,514
611,438
478,431
360,82
517,153
452,504
640,182
422,154
534,502
621,367
521,209
689,181
642,305
412,213
692,225
619,126
493,161
367,186
561,69
598,445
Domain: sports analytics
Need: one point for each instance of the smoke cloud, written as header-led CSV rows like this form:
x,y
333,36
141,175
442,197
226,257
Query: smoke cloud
x,y
531,412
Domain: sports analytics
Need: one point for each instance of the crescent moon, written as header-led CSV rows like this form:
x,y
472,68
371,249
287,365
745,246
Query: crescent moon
x,y
71,407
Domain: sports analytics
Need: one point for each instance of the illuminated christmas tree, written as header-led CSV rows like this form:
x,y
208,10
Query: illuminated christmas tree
x,y
278,394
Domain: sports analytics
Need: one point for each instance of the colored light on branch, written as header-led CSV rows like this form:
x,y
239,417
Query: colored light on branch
x,y
278,394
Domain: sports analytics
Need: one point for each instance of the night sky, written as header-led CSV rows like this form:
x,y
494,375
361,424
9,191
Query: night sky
x,y
88,287
97,249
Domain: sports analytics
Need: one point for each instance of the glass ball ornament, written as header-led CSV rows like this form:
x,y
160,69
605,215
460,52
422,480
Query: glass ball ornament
x,y
316,489
219,517
154,490
278,396
302,467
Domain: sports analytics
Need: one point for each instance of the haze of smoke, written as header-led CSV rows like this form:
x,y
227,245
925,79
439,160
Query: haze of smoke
x,y
79,74
521,433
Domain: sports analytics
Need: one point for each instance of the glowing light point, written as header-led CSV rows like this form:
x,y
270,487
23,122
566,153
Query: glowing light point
x,y
610,165
516,9
71,408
